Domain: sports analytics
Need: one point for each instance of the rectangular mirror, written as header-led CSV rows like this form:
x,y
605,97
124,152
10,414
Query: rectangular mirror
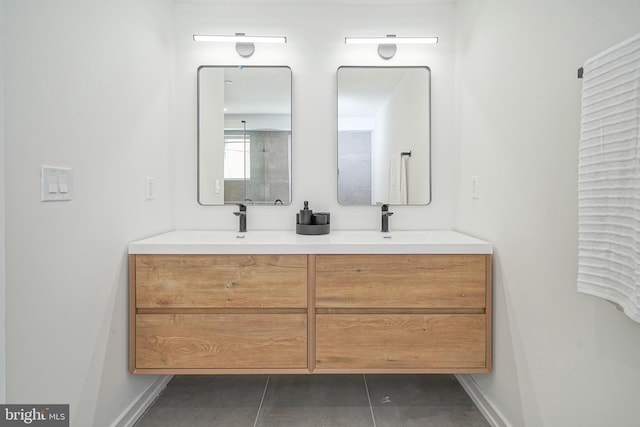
x,y
384,135
244,135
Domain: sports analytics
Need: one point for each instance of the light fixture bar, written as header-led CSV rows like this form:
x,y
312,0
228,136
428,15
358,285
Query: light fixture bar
x,y
390,40
240,39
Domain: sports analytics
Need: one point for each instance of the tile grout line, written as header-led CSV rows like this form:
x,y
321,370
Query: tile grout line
x,y
366,387
264,392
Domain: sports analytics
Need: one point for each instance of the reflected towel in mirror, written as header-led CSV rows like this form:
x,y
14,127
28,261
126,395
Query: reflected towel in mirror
x,y
398,194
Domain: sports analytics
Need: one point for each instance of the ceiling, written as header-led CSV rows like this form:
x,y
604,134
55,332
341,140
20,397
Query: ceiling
x,y
255,90
323,2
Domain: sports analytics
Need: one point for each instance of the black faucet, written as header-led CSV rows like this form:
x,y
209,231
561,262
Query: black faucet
x,y
385,218
242,216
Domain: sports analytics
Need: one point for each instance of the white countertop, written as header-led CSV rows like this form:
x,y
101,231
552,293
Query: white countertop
x,y
288,242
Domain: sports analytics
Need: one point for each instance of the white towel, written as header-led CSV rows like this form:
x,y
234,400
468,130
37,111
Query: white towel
x,y
609,178
398,180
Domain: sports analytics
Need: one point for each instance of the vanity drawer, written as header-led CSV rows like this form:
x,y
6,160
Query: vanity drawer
x,y
221,341
393,342
401,281
221,281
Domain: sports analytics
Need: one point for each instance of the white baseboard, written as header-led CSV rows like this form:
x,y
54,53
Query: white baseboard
x,y
486,407
139,406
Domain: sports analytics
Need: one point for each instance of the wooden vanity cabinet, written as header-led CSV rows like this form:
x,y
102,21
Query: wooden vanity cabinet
x,y
403,313
218,313
395,313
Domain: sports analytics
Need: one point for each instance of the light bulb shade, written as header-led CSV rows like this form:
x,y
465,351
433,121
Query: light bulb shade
x,y
239,39
391,40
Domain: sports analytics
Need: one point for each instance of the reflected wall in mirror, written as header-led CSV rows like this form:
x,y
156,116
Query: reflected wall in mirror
x,y
244,135
384,135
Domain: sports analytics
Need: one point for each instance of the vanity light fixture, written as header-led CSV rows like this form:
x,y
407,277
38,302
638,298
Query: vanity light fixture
x,y
387,46
245,45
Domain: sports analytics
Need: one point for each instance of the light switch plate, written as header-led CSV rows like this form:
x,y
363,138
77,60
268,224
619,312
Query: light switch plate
x,y
475,187
150,189
56,184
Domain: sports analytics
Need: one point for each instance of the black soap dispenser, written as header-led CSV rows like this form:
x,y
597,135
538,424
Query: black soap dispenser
x,y
305,215
309,223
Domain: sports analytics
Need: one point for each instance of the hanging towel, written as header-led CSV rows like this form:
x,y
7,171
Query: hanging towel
x,y
609,178
398,179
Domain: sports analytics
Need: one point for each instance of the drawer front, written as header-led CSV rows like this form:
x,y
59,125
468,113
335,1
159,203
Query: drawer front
x,y
375,341
221,341
221,281
400,281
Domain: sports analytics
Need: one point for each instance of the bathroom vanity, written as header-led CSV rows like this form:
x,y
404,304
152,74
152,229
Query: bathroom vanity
x,y
276,302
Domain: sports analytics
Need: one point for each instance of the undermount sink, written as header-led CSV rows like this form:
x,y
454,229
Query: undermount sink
x,y
417,236
204,237
288,242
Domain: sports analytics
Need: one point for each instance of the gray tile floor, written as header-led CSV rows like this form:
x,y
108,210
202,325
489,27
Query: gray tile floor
x,y
313,401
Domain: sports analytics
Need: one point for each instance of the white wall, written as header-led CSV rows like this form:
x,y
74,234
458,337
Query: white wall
x,y
88,85
3,348
561,358
314,51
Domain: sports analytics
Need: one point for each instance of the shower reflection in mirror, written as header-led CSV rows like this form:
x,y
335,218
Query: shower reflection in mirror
x,y
244,135
255,164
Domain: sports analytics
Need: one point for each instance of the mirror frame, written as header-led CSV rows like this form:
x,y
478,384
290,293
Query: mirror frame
x,y
198,133
429,133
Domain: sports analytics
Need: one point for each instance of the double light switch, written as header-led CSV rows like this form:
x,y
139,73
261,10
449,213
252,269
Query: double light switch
x,y
56,184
